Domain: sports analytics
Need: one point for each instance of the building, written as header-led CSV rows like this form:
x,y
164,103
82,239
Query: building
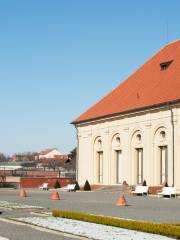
x,y
10,166
133,133
22,157
50,153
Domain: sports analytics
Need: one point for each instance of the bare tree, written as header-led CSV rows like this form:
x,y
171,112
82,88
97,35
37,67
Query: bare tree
x,y
26,156
3,157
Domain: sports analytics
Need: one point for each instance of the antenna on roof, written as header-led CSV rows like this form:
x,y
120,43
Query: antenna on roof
x,y
167,32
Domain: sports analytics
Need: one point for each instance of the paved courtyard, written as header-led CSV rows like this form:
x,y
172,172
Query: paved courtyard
x,y
140,208
104,203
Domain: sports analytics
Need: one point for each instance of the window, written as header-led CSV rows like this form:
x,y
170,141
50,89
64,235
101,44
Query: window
x,y
165,65
100,166
139,154
163,165
119,167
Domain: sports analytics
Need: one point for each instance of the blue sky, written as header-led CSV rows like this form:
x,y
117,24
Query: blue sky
x,y
57,58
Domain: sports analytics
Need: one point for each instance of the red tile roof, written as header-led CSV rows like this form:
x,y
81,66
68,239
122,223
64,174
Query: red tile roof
x,y
44,152
148,86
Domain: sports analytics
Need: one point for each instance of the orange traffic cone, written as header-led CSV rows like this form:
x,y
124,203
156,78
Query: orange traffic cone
x,y
121,201
22,193
55,196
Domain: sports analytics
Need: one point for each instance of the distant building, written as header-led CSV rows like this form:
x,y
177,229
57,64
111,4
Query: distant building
x,y
50,153
10,166
22,157
63,163
133,133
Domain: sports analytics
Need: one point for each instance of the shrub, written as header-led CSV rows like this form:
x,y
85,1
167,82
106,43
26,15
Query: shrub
x,y
166,184
144,183
149,227
125,183
6,185
87,186
57,184
77,187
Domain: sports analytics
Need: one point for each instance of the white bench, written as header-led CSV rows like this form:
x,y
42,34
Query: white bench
x,y
168,191
44,186
70,187
143,190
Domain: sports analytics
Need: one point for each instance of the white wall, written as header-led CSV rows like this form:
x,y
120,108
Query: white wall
x,y
149,125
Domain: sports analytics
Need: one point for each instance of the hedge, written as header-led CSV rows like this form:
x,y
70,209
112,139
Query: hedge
x,y
87,186
77,187
169,230
57,184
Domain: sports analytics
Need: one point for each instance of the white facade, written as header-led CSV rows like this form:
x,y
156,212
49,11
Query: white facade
x,y
134,147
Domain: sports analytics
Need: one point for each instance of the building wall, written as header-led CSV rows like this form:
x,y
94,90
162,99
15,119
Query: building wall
x,y
34,182
122,133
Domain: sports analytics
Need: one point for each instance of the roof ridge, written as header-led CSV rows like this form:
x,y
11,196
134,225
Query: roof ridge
x,y
172,42
147,80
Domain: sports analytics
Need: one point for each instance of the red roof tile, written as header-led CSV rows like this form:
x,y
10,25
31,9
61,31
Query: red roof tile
x,y
148,86
44,152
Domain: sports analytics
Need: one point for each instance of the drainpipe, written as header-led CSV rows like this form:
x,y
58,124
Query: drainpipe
x,y
77,153
172,124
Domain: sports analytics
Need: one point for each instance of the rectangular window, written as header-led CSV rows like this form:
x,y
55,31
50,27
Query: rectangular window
x,y
163,164
119,171
139,152
100,167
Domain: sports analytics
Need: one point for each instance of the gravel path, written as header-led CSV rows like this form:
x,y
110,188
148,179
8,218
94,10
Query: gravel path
x,y
91,230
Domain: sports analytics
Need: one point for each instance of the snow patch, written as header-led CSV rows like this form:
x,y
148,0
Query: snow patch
x,y
90,230
5,204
